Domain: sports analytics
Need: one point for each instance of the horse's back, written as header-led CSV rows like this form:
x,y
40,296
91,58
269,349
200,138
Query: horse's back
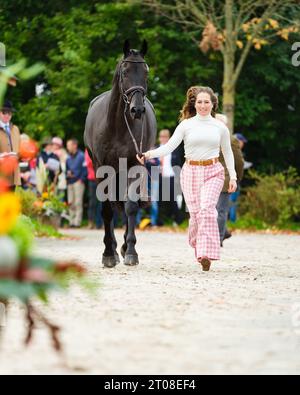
x,y
96,117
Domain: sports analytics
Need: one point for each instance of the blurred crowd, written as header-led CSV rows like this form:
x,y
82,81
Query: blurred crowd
x,y
70,174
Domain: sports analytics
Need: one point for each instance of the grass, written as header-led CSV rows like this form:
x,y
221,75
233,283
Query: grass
x,y
253,224
250,224
42,230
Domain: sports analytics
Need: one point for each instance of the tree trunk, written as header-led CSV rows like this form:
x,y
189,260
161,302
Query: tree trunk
x,y
229,66
228,104
229,89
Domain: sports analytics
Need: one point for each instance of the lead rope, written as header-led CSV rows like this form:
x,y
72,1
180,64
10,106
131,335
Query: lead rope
x,y
138,151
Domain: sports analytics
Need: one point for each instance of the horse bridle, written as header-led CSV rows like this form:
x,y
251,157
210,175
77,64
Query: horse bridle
x,y
127,100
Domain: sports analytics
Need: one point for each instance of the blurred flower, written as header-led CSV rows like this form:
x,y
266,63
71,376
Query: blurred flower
x,y
8,165
38,204
62,267
4,186
10,209
28,150
36,275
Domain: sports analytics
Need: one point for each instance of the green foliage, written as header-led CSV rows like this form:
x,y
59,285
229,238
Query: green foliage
x,y
42,230
246,222
23,234
53,205
23,291
27,198
274,199
80,42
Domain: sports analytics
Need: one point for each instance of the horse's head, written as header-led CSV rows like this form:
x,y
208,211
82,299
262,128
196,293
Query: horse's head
x,y
133,79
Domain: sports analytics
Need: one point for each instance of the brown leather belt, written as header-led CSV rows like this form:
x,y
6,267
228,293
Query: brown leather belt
x,y
202,162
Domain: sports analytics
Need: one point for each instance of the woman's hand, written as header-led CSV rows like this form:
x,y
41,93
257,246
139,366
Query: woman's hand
x,y
232,186
141,159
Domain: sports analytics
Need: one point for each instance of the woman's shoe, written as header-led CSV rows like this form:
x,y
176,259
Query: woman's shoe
x,y
205,262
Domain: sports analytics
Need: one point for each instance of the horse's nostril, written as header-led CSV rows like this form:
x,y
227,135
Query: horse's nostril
x,y
133,110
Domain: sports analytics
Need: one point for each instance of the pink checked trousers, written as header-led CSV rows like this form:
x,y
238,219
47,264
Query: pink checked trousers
x,y
201,186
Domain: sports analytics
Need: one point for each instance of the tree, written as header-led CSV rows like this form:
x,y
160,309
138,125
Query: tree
x,y
233,28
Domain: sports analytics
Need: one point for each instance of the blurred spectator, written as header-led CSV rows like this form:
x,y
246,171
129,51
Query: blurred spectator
x,y
76,177
9,140
152,166
50,160
224,199
95,206
27,167
234,196
61,153
154,189
167,177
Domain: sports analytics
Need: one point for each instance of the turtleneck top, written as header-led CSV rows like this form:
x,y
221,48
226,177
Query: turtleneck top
x,y
203,137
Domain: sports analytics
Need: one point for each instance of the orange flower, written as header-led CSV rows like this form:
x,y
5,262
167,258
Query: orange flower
x,y
38,204
28,150
8,165
4,185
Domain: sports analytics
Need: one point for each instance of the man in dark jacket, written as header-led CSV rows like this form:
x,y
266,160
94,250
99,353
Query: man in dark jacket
x,y
223,203
76,176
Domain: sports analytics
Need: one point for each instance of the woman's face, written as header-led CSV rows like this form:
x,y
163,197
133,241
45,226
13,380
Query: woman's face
x,y
203,104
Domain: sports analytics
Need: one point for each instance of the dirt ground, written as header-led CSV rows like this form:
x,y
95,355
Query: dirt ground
x,y
166,316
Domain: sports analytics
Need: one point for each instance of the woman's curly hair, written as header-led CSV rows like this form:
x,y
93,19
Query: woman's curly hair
x,y
189,110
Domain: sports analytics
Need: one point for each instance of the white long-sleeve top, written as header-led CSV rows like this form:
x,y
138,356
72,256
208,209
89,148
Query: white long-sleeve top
x,y
203,137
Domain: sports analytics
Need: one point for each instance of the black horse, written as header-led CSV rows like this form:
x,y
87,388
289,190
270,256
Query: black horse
x,y
121,123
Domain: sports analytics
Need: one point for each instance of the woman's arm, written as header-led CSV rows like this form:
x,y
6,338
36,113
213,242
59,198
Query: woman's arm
x,y
227,152
170,146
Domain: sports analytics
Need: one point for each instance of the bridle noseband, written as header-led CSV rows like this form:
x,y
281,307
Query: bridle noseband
x,y
127,100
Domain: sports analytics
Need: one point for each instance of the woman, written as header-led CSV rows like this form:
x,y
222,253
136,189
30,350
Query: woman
x,y
202,176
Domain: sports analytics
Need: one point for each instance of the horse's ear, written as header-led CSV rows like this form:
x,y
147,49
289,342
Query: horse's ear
x,y
126,48
144,48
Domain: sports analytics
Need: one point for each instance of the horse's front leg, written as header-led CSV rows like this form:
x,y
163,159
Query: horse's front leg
x,y
110,256
131,257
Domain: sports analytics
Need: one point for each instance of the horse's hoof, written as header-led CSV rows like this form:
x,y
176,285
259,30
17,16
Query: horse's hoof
x,y
123,251
109,261
131,260
117,258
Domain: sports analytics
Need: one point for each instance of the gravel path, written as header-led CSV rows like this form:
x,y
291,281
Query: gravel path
x,y
166,316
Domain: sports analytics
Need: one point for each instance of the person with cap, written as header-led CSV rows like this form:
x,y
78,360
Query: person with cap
x,y
9,140
61,153
224,199
234,196
50,160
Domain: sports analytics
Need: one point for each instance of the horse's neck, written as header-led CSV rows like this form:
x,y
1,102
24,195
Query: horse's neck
x,y
116,109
